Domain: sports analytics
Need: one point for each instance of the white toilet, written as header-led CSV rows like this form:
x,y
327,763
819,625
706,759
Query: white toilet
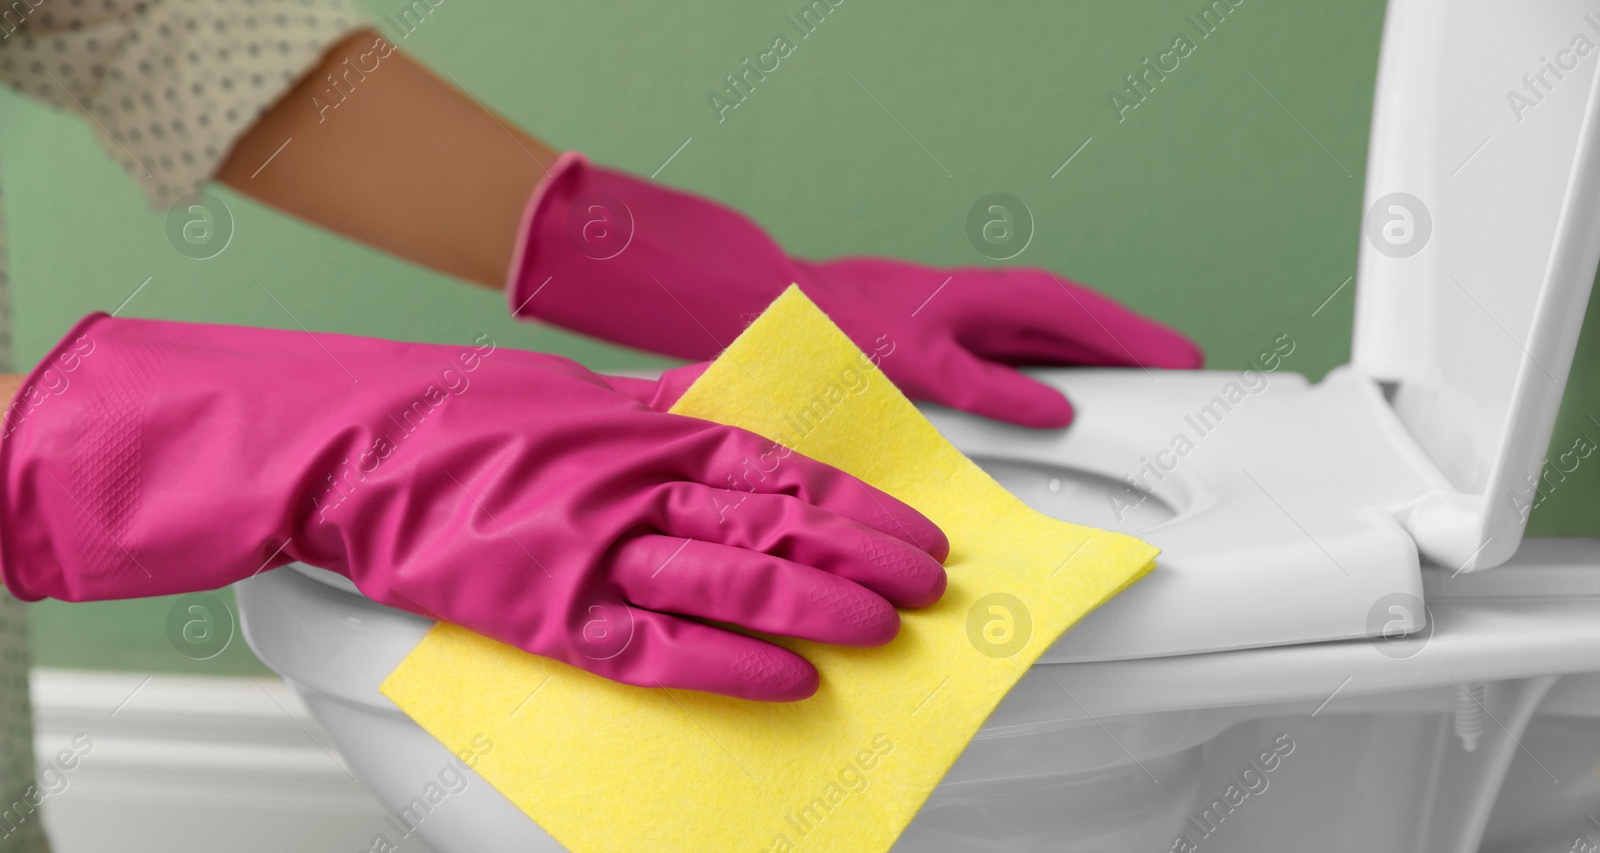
x,y
1277,683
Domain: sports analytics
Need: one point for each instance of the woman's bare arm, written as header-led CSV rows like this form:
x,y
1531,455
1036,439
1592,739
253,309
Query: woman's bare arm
x,y
405,162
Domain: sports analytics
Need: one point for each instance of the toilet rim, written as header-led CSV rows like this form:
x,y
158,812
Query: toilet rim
x,y
1481,630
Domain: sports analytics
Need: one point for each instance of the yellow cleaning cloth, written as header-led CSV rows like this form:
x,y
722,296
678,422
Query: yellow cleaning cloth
x,y
605,767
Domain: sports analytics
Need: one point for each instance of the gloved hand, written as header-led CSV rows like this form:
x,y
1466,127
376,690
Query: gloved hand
x,y
513,493
626,260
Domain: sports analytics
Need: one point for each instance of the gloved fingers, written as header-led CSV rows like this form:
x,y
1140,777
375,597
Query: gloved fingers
x,y
658,394
1035,316
754,465
755,591
1001,392
668,651
792,529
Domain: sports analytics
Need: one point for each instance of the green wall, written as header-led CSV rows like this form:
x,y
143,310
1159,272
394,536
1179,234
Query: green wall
x,y
1225,205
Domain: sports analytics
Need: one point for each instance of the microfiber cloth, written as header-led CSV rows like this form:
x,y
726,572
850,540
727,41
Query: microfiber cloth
x,y
604,766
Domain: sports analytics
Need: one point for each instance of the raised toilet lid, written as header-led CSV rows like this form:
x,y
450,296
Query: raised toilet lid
x,y
1481,234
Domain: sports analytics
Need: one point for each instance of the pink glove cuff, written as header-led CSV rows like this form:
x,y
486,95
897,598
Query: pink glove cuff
x,y
520,285
25,575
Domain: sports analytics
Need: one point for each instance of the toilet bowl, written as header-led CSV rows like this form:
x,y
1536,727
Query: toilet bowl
x,y
1369,737
1347,644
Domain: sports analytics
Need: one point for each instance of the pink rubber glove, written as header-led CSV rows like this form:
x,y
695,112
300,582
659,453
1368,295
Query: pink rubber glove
x,y
513,493
626,260
660,393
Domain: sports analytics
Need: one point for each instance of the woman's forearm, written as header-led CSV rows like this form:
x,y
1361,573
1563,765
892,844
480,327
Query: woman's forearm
x,y
9,383
374,146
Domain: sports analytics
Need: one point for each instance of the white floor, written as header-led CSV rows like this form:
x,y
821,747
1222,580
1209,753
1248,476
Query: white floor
x,y
171,763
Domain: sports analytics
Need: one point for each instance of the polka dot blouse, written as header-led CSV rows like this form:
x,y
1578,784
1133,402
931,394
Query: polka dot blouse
x,y
167,84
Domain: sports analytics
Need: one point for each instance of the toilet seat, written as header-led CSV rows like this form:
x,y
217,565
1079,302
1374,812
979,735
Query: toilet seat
x,y
1268,545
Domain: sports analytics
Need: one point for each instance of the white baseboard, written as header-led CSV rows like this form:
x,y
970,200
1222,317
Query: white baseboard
x,y
170,762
